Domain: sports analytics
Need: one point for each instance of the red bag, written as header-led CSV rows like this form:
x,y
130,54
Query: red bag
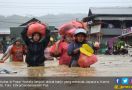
x,y
71,31
77,24
85,61
36,27
64,57
52,51
64,28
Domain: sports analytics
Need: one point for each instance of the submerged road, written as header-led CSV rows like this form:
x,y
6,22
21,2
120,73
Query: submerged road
x,y
107,65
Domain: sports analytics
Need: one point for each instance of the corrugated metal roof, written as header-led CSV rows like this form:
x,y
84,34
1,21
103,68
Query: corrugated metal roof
x,y
113,18
111,10
4,30
31,20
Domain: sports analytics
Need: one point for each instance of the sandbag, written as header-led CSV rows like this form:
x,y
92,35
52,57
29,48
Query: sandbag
x,y
53,49
85,61
64,57
36,27
77,24
64,28
71,31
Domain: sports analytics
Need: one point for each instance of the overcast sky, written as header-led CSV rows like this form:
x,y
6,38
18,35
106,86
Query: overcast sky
x,y
44,7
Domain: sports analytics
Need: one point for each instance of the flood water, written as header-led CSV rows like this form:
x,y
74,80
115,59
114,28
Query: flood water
x,y
107,65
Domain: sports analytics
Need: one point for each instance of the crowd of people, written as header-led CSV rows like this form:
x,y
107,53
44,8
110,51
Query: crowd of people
x,y
37,46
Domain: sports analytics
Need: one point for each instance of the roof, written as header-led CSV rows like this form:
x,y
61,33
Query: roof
x,y
115,12
32,20
125,35
110,11
121,18
4,30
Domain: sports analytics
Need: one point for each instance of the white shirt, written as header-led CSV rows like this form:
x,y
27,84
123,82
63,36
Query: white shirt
x,y
8,49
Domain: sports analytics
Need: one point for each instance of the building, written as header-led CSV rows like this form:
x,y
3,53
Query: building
x,y
4,33
4,37
127,35
16,31
108,22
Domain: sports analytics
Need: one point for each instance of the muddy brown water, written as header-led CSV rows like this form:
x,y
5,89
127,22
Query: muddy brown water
x,y
107,65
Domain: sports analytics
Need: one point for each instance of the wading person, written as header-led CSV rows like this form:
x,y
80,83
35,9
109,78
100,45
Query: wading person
x,y
36,44
74,48
16,51
60,48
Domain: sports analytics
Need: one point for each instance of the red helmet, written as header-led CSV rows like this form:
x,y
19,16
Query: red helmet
x,y
36,27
